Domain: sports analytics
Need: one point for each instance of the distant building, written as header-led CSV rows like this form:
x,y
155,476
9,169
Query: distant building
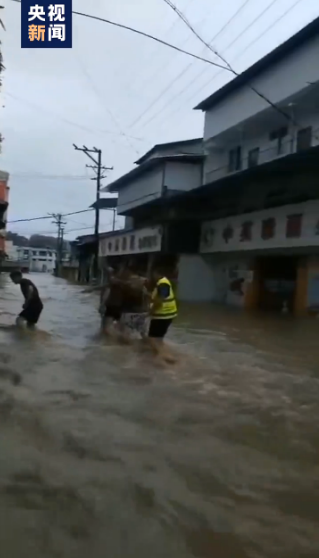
x,y
12,251
39,259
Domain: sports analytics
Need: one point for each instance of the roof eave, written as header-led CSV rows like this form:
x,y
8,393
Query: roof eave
x,y
300,38
149,165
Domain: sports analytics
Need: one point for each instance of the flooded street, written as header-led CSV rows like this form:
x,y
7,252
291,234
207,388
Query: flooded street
x,y
105,454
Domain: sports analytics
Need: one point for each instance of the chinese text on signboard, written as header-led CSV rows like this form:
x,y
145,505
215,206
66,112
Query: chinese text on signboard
x,y
46,25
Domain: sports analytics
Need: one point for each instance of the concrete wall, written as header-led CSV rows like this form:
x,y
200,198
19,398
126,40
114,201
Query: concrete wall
x,y
278,83
212,240
38,259
182,176
140,191
221,279
195,279
149,187
216,161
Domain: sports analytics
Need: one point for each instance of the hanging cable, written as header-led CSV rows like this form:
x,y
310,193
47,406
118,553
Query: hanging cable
x,y
177,95
143,34
287,116
193,96
49,216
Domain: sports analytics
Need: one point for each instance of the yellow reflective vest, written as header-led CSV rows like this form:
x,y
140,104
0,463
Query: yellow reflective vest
x,y
167,310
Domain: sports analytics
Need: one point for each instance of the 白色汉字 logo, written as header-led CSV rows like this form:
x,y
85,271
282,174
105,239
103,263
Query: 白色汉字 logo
x,y
46,25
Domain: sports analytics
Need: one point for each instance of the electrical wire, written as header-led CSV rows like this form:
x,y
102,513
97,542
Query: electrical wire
x,y
66,120
105,107
143,34
150,58
176,78
262,96
48,176
211,79
49,216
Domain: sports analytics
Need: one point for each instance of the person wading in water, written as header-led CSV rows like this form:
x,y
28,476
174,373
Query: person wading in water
x,y
163,310
33,305
135,306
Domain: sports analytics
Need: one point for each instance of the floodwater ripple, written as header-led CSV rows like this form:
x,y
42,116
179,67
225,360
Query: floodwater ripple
x,y
104,453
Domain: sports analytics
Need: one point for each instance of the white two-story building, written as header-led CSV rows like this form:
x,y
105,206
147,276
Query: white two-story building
x,y
165,172
260,198
38,259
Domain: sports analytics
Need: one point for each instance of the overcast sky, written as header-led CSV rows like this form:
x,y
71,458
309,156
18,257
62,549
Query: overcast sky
x,y
119,92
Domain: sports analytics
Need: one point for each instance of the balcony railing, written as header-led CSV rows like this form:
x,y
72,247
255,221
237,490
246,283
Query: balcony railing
x,y
271,153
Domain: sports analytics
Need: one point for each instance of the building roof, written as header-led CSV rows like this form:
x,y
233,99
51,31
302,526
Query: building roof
x,y
105,203
275,56
42,248
149,165
164,146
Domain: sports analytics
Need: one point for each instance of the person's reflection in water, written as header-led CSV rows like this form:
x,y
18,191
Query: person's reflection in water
x,y
32,306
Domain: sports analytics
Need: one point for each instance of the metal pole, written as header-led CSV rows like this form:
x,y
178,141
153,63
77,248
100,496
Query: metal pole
x,y
114,217
97,213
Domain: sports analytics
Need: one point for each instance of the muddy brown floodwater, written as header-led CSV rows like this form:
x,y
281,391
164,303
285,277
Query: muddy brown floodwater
x,y
105,454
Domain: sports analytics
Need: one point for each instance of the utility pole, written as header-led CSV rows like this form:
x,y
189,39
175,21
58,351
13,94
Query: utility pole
x,y
114,217
57,220
98,168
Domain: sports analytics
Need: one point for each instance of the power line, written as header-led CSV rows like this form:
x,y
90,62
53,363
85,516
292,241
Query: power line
x,y
150,58
106,108
66,120
211,79
48,176
230,68
260,35
143,34
48,216
176,78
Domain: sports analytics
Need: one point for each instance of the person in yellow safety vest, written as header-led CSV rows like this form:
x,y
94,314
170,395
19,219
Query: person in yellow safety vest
x,y
163,310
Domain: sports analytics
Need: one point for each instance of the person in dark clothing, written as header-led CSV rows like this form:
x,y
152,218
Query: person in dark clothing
x,y
32,306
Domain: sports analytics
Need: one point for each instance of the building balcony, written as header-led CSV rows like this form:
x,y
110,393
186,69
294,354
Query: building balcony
x,y
238,160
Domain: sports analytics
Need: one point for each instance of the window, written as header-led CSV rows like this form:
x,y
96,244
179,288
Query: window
x,y
246,231
124,243
293,226
268,228
132,242
109,247
228,233
253,156
304,137
117,245
234,161
278,136
25,252
42,253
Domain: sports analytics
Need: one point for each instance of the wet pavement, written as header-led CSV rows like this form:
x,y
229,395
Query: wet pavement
x,y
106,454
